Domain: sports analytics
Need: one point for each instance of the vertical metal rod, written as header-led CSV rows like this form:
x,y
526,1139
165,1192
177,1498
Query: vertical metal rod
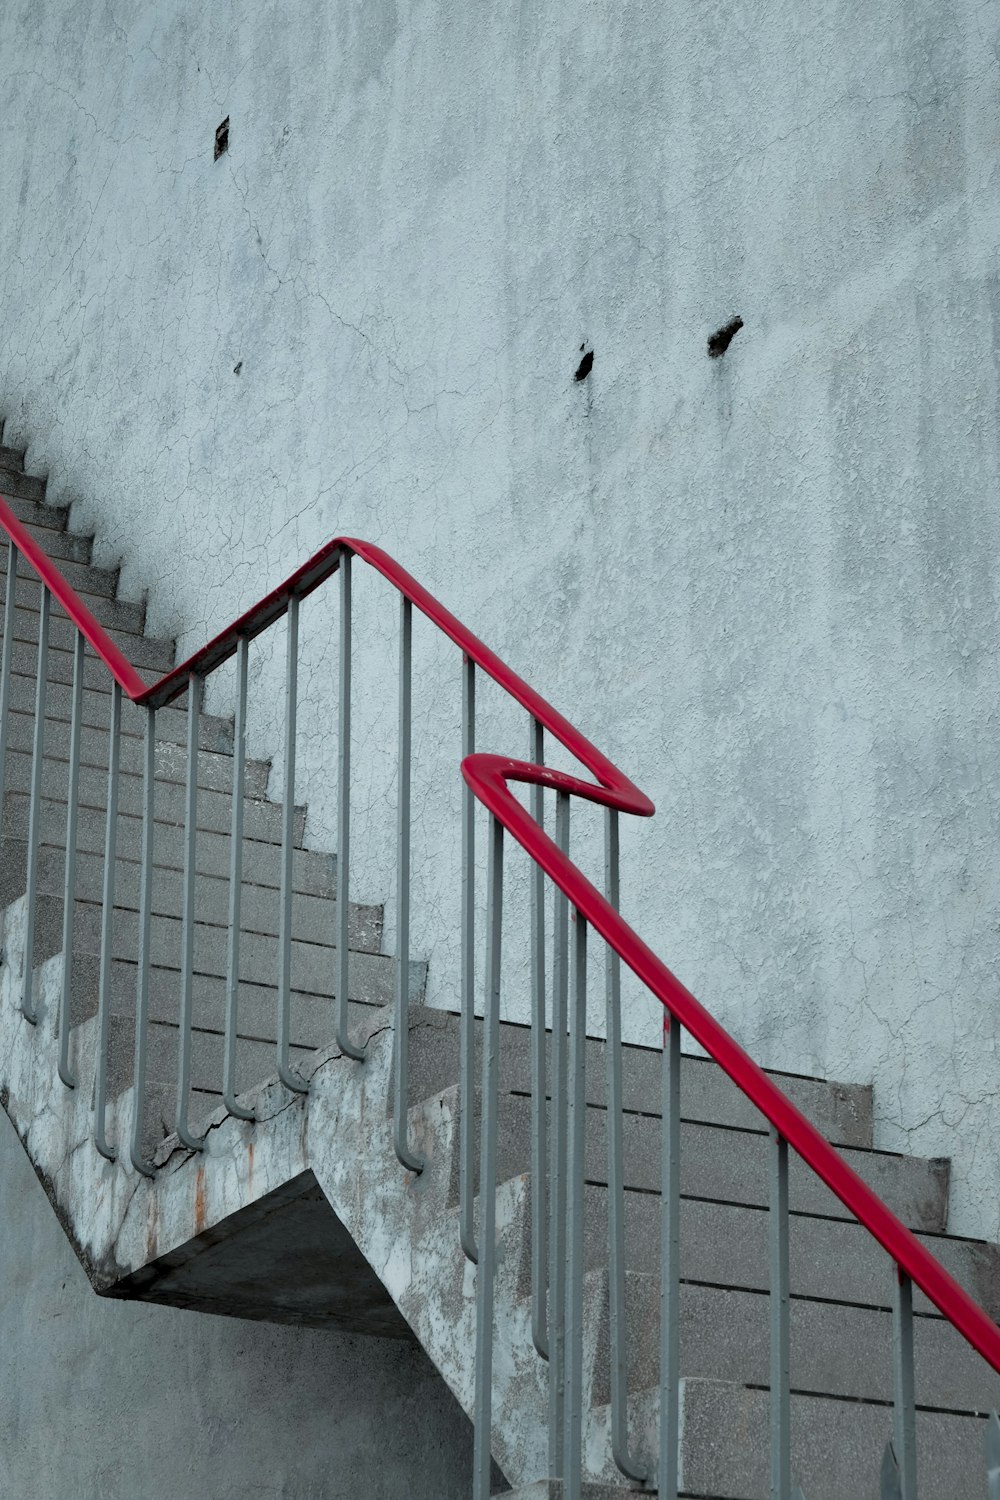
x,y
401,1033
184,1135
670,1247
10,604
467,1085
905,1426
35,805
236,886
992,1445
557,1176
575,1174
344,1042
629,1466
66,1073
486,1269
781,1423
107,918
539,1101
145,925
289,1079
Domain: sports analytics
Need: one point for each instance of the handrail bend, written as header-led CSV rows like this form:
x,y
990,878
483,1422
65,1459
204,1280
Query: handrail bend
x,y
489,776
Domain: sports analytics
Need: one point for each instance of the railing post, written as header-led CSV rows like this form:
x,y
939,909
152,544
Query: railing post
x,y
290,1079
576,1144
236,886
35,805
344,1042
467,1042
401,1033
629,1466
66,1073
781,1431
670,1248
145,932
107,929
539,1102
9,626
992,1445
184,1133
486,1268
558,1147
904,1405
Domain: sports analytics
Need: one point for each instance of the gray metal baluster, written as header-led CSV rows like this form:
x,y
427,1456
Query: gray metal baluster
x,y
184,1134
557,1176
993,1455
904,1416
575,1174
670,1245
486,1269
344,1042
630,1466
401,1033
467,1086
69,870
236,885
35,806
10,605
539,1102
145,924
781,1425
289,1079
107,918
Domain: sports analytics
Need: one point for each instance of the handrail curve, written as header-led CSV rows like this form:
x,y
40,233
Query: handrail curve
x,y
489,777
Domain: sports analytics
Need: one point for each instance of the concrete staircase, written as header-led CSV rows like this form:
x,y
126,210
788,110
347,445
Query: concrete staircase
x,y
304,1215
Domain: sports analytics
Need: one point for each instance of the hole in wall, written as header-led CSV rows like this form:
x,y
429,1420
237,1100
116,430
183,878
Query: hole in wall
x,y
720,341
237,367
586,364
222,138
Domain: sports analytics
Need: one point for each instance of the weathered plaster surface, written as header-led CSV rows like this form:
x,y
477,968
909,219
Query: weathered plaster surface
x,y
765,583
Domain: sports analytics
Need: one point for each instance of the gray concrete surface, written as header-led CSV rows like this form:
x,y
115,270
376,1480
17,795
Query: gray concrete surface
x,y
765,582
125,1401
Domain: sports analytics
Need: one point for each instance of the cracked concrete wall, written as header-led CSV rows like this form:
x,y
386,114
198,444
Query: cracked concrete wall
x,y
763,583
119,1399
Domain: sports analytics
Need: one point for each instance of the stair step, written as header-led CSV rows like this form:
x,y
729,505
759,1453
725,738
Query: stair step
x,y
216,733
215,769
36,512
262,819
14,482
109,611
727,1245
85,578
843,1112
729,1165
11,458
71,545
151,653
837,1446
837,1349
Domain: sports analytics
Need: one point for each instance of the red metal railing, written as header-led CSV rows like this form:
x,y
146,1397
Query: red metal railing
x,y
489,777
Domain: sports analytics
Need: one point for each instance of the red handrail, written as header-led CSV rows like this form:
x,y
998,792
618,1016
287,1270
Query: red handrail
x,y
488,776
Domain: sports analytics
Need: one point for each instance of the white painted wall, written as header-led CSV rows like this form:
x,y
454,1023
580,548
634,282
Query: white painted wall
x,y
764,584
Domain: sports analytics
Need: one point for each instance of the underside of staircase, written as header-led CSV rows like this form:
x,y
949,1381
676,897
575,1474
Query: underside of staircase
x,y
304,1215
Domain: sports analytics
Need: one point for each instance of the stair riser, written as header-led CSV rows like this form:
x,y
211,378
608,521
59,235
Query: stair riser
x,y
837,1447
836,1350
149,653
215,771
36,512
58,545
314,918
732,1166
171,723
14,483
842,1112
84,578
728,1245
262,819
112,613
